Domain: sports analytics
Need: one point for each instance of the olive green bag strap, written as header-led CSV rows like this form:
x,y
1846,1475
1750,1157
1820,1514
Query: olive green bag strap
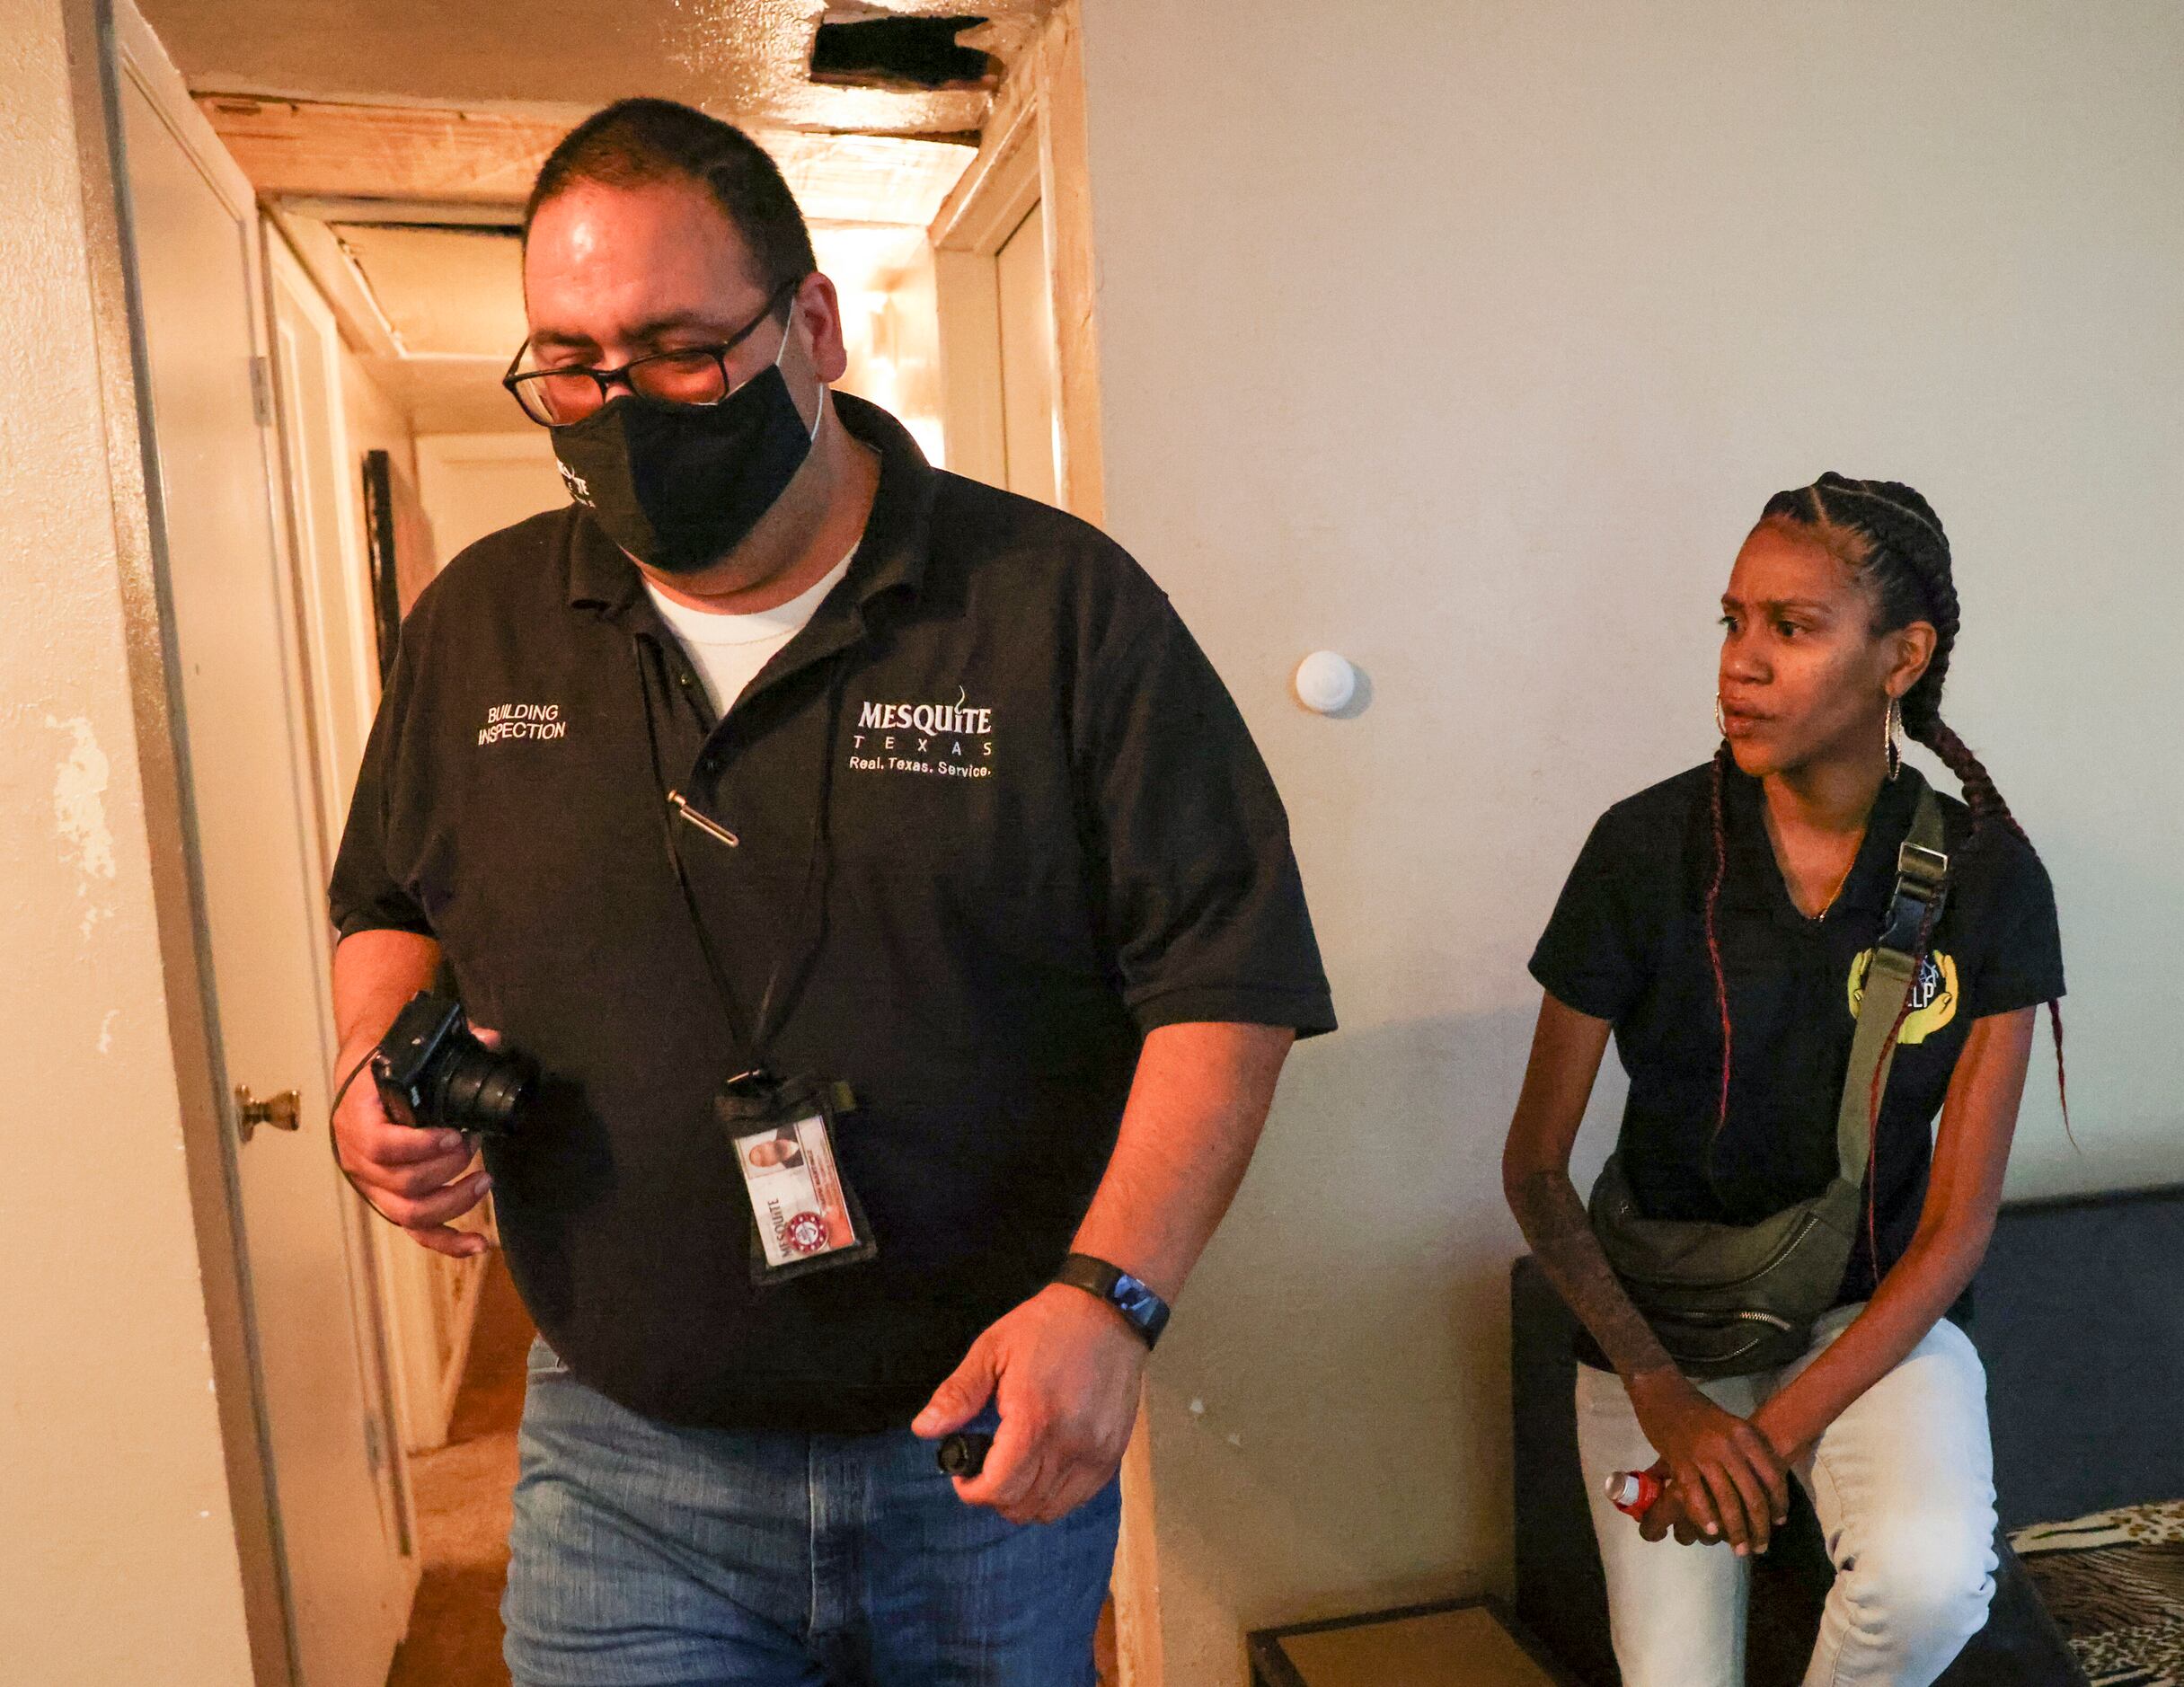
x,y
1922,878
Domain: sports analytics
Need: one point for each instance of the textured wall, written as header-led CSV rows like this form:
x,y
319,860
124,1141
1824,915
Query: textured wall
x,y
117,1557
1468,338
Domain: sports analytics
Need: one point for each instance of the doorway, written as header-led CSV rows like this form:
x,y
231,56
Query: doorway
x,y
426,298
1013,261
323,287
1030,422
342,1525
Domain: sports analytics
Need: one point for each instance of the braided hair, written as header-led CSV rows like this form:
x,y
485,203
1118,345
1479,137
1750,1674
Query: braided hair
x,y
1889,535
1890,538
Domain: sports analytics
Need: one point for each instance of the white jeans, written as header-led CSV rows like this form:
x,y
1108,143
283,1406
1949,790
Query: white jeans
x,y
1903,1486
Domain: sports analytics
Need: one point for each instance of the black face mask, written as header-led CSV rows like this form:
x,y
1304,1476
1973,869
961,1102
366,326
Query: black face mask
x,y
678,485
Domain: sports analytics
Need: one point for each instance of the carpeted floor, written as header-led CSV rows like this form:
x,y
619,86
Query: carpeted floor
x,y
463,1511
462,1507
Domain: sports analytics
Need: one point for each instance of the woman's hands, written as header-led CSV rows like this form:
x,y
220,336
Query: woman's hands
x,y
1723,1479
1668,1515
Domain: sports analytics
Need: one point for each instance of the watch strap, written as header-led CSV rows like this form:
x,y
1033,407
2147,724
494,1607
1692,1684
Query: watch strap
x,y
1143,1310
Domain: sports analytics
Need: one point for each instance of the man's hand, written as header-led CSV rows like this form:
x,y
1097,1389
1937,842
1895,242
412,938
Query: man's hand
x,y
1063,1370
1728,1479
411,1177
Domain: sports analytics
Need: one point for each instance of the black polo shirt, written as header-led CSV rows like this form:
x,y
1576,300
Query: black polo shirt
x,y
998,819
1627,943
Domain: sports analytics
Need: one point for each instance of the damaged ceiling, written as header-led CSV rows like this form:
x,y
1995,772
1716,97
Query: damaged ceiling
x,y
443,292
393,141
748,61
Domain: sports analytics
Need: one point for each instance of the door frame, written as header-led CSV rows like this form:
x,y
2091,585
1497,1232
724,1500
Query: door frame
x,y
1034,151
967,284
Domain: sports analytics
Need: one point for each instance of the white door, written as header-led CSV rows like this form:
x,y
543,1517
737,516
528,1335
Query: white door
x,y
1030,423
327,545
424,1300
248,760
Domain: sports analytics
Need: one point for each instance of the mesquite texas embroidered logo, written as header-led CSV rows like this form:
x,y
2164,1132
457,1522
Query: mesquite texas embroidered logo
x,y
523,721
945,740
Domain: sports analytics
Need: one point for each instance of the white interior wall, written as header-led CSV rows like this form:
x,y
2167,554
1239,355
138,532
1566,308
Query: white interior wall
x,y
1468,338
376,423
474,484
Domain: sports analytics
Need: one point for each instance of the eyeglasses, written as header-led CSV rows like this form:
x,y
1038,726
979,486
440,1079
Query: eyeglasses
x,y
689,375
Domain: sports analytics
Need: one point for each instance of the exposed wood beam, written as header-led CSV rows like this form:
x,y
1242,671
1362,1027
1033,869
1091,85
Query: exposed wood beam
x,y
381,151
291,147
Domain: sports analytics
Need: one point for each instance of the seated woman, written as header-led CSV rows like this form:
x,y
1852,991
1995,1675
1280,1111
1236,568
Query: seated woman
x,y
1724,926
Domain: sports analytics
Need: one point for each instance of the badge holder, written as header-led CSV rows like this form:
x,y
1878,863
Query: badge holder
x,y
805,1216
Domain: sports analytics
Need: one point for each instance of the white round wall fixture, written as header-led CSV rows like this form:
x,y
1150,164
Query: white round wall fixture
x,y
1325,682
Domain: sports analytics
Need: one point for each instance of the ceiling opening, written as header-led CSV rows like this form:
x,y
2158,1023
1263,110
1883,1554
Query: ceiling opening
x,y
884,50
442,291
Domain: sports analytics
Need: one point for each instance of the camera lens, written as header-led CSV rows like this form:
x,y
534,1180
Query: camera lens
x,y
480,1090
501,1091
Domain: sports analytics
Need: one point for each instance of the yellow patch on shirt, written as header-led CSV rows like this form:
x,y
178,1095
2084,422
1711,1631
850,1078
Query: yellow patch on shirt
x,y
1934,998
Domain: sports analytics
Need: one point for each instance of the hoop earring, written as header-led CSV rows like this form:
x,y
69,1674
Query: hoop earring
x,y
1891,730
1720,724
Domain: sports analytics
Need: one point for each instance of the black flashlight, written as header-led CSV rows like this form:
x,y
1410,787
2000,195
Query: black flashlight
x,y
964,1455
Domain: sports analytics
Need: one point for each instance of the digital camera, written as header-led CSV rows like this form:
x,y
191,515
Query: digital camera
x,y
431,1063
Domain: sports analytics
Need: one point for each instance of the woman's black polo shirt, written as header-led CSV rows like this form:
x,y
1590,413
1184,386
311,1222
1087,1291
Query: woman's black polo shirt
x,y
1046,833
1627,943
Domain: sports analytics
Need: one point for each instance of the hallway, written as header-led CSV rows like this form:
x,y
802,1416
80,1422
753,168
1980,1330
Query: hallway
x,y
462,1492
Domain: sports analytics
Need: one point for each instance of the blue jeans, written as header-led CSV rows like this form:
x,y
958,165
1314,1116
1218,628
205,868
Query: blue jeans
x,y
647,1555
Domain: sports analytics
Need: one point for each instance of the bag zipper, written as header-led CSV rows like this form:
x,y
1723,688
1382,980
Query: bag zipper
x,y
1797,1237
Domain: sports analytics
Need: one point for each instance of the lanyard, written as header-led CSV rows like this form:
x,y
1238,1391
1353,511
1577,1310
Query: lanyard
x,y
677,811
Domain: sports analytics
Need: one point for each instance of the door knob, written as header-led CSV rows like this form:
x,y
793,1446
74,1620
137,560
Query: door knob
x,y
282,1112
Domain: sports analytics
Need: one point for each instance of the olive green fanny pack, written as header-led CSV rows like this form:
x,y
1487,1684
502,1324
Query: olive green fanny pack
x,y
1728,1300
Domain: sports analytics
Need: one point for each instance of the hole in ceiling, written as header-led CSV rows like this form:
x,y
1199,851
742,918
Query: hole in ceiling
x,y
442,290
861,47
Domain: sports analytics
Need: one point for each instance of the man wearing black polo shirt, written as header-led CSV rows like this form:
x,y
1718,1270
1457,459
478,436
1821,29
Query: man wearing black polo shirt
x,y
781,764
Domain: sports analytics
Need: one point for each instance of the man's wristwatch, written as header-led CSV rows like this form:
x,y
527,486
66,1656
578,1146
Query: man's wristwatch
x,y
1143,1310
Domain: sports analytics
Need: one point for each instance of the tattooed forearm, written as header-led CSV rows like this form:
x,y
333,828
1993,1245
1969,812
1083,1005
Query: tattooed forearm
x,y
1552,1218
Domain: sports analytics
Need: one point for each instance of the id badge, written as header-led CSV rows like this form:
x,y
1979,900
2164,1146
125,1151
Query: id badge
x,y
806,1217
